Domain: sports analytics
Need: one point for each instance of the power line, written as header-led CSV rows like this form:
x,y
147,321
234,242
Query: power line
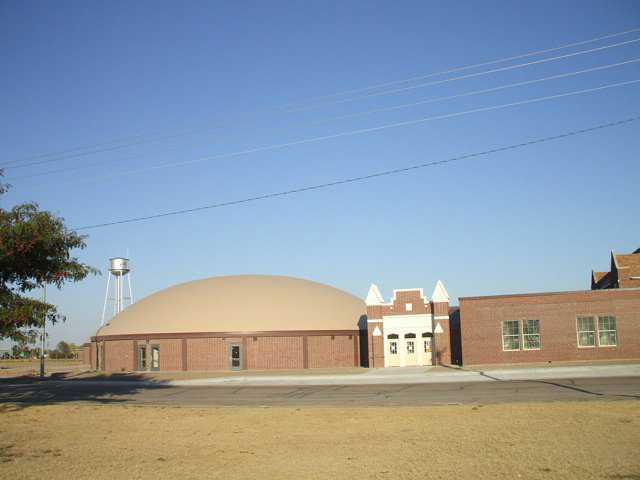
x,y
472,75
120,146
478,92
466,67
368,130
388,109
363,177
115,144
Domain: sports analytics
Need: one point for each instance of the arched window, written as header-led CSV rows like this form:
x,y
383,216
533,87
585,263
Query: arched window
x,y
393,343
426,342
411,346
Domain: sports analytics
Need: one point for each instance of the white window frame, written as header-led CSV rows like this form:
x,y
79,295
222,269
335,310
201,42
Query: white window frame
x,y
615,331
413,346
408,307
511,335
594,331
524,343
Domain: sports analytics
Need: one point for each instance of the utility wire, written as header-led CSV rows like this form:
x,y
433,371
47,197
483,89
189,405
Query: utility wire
x,y
472,75
363,177
368,130
462,68
385,109
116,143
475,92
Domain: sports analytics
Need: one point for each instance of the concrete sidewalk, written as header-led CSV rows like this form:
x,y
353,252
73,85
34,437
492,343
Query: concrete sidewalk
x,y
418,375
381,376
575,371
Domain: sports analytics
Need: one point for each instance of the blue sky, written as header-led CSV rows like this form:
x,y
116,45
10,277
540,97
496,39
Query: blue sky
x,y
535,219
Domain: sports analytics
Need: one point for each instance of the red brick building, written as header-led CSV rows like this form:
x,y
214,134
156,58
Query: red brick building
x,y
598,324
586,325
237,322
409,330
271,322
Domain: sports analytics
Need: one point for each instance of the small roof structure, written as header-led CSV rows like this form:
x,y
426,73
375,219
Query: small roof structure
x,y
624,273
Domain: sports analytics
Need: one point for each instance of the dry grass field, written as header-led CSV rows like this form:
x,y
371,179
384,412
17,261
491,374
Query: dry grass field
x,y
77,370
581,440
31,368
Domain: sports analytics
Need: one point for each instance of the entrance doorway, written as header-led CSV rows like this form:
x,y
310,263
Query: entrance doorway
x,y
410,349
426,348
142,358
393,353
235,357
155,357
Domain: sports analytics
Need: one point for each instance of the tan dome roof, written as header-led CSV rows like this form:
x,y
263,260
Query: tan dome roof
x,y
243,303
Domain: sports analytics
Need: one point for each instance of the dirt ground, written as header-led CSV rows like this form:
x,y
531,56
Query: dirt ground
x,y
538,441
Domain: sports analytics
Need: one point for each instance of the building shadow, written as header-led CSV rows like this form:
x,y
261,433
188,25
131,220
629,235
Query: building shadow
x,y
17,393
364,341
455,336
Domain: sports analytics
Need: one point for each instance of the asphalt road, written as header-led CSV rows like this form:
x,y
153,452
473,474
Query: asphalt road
x,y
499,391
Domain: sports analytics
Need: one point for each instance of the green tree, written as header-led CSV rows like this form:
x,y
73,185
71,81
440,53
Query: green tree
x,y
64,350
35,250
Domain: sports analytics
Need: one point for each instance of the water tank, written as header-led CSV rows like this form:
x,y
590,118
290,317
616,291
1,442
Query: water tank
x,y
119,266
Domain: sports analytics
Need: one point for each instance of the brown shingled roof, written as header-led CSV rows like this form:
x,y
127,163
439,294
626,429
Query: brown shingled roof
x,y
628,270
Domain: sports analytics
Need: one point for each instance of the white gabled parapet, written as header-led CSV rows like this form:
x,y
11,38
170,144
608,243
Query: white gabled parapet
x,y
374,297
440,294
419,290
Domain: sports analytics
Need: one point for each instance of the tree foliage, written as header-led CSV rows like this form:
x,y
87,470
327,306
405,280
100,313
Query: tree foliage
x,y
35,250
63,350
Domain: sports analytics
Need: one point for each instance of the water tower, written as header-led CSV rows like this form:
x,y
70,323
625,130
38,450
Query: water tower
x,y
119,269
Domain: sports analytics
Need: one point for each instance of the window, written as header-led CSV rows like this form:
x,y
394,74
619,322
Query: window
x,y
586,332
510,335
531,335
408,307
393,343
607,331
411,346
426,342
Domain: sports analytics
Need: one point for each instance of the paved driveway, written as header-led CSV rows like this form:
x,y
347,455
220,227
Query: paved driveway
x,y
477,392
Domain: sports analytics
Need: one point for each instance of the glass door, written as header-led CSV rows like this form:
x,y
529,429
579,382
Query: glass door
x,y
235,357
142,357
155,357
